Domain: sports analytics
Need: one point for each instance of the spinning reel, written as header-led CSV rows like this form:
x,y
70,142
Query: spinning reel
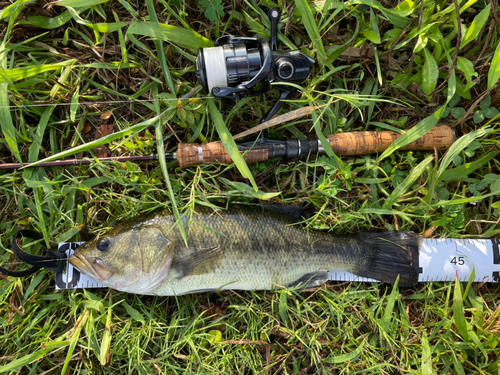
x,y
243,67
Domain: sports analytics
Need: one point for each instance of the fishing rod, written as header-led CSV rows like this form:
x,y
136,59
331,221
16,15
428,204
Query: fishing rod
x,y
241,67
343,144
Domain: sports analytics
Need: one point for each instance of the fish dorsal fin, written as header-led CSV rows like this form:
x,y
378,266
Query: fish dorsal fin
x,y
310,280
296,213
198,263
155,249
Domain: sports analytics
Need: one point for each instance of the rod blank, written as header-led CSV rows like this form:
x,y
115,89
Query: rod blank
x,y
60,163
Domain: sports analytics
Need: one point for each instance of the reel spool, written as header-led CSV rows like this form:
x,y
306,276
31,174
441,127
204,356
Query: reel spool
x,y
243,67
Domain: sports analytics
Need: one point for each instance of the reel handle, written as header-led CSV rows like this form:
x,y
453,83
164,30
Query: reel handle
x,y
274,16
353,143
189,154
371,142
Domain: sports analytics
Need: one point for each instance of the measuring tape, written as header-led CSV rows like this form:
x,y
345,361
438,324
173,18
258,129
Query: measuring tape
x,y
446,259
439,260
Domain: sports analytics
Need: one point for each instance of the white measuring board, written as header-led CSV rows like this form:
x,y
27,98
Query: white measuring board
x,y
445,259
439,260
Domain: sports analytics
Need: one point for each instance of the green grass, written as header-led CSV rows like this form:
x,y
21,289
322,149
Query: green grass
x,y
83,59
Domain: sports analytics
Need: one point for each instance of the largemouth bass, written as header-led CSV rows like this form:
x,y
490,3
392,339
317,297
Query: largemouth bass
x,y
244,247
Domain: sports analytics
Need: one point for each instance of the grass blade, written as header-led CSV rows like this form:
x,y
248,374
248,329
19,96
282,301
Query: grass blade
x,y
73,109
69,234
49,23
459,312
389,308
458,146
494,72
80,3
312,29
324,141
104,140
134,313
112,65
29,71
74,338
422,128
107,27
6,124
347,357
163,165
27,359
459,369
464,200
465,170
473,336
160,51
122,40
34,179
106,336
282,307
182,37
403,187
34,284
246,190
380,211
426,355
430,73
40,131
476,26
229,144
396,19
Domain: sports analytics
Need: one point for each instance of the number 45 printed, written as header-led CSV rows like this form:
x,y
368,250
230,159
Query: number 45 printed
x,y
460,261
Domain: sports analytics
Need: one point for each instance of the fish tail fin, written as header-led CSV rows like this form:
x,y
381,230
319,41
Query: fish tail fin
x,y
391,254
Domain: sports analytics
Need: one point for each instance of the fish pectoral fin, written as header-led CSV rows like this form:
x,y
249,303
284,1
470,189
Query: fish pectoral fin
x,y
310,280
198,263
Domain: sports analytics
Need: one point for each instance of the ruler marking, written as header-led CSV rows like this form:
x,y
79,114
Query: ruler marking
x,y
67,266
496,251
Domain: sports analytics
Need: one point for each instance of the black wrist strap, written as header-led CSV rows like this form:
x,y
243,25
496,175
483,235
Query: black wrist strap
x,y
51,262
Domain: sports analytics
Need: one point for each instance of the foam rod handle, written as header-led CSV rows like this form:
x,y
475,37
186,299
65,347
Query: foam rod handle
x,y
193,154
361,143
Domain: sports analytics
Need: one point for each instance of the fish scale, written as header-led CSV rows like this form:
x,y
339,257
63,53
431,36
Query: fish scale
x,y
244,247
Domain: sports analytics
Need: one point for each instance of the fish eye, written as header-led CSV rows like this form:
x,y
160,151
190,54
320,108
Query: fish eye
x,y
103,244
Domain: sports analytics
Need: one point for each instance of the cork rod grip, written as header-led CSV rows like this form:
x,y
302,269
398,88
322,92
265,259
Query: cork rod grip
x,y
189,154
361,143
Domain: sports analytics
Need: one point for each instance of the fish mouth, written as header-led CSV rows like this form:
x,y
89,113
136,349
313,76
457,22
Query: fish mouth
x,y
83,265
98,270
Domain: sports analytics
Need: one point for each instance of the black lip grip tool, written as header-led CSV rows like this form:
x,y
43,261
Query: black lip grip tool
x,y
241,67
